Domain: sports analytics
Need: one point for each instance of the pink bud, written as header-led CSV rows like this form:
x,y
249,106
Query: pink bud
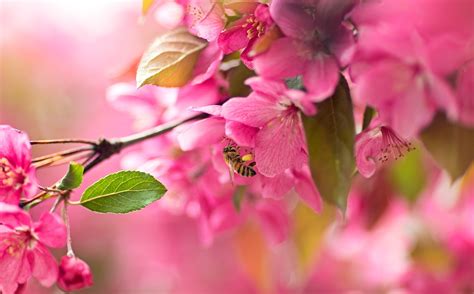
x,y
74,274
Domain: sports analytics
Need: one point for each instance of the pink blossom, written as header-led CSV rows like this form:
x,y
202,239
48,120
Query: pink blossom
x,y
74,274
274,110
23,247
465,90
317,44
378,145
245,32
17,175
205,18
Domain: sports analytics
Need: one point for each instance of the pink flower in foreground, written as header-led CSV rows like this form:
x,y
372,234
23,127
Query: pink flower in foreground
x,y
378,145
74,274
23,247
17,176
317,44
274,110
205,18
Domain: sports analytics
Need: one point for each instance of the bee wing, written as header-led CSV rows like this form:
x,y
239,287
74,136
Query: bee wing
x,y
231,174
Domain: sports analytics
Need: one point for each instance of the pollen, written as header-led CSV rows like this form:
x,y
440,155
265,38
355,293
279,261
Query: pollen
x,y
11,177
254,27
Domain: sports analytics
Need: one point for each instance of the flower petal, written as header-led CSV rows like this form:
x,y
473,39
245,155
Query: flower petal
x,y
234,38
306,188
280,145
242,134
274,220
15,146
45,268
13,216
321,76
281,60
50,230
252,111
201,133
277,186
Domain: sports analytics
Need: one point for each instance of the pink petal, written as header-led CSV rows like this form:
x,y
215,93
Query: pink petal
x,y
224,217
202,133
306,189
280,145
15,147
282,60
367,146
205,18
14,269
321,76
278,186
343,46
214,110
465,88
275,221
13,216
291,18
234,38
50,230
271,89
207,64
45,268
252,111
242,134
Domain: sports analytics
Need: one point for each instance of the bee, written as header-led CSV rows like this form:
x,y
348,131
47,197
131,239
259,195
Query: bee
x,y
237,164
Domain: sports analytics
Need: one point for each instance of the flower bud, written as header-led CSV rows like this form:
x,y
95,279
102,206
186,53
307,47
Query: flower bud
x,y
74,274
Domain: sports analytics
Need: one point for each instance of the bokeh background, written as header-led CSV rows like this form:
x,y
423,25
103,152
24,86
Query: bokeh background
x,y
408,227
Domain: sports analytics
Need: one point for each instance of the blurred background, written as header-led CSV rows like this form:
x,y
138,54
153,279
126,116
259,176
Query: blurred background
x,y
407,229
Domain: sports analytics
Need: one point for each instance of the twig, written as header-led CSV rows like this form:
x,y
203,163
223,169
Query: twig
x,y
62,141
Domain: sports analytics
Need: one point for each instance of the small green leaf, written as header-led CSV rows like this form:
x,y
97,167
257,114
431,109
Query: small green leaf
x,y
122,192
236,78
369,114
330,136
73,177
295,83
450,144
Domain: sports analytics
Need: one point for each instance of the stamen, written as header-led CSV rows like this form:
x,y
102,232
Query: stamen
x,y
392,145
10,177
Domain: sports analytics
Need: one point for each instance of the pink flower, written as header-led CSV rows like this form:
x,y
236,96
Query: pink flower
x,y
317,44
244,33
17,175
205,18
23,247
274,110
378,145
74,274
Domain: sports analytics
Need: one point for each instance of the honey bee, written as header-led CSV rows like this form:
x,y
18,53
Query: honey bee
x,y
237,164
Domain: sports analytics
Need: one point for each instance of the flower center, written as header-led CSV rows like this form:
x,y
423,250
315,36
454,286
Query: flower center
x,y
17,242
392,145
11,177
254,27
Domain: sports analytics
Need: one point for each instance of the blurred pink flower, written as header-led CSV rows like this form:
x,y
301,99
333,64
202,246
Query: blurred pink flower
x,y
279,143
74,274
377,145
316,46
465,90
22,247
17,175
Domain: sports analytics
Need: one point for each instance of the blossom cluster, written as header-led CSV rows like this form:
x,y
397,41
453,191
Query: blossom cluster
x,y
396,57
24,242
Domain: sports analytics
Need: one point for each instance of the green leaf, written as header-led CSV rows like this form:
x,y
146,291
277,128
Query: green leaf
x,y
122,192
330,136
450,144
369,114
73,177
295,83
236,78
170,60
